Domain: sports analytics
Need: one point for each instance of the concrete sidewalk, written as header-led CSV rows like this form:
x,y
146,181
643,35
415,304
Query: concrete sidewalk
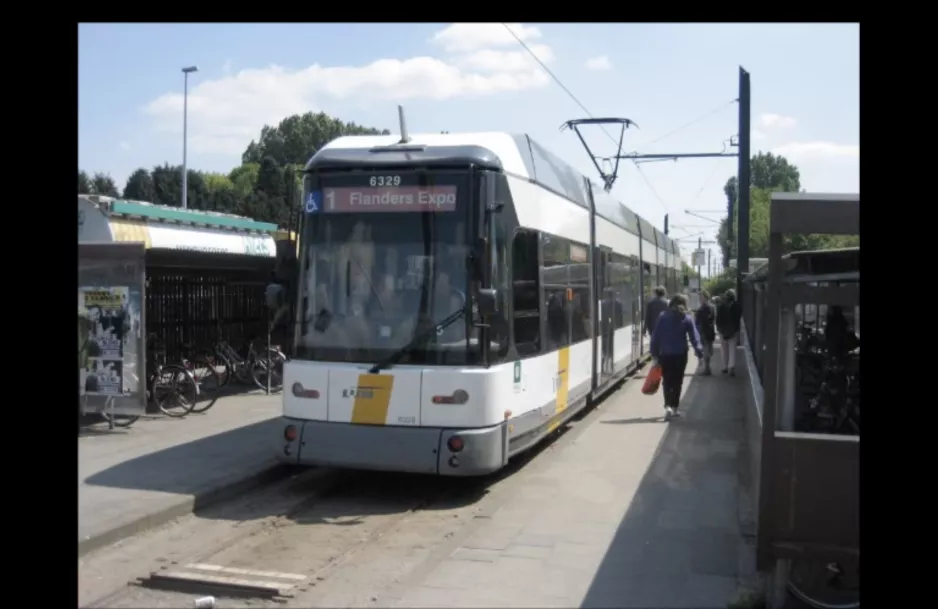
x,y
162,468
633,512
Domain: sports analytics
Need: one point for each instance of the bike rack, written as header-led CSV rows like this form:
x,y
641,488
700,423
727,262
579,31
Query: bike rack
x,y
806,484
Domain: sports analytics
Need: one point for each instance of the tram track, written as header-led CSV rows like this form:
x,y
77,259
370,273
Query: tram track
x,y
309,525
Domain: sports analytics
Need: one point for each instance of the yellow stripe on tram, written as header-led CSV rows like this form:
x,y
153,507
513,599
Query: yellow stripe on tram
x,y
372,399
562,394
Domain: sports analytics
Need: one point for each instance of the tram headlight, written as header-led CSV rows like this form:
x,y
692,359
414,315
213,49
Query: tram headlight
x,y
289,433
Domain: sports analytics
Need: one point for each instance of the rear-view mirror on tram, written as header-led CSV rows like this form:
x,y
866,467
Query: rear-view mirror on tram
x,y
274,296
487,299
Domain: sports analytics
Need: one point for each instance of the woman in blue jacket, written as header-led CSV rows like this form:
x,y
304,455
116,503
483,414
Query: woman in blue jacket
x,y
675,327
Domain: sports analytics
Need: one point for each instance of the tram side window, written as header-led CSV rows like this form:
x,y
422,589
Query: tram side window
x,y
578,280
648,282
556,252
526,314
635,272
622,290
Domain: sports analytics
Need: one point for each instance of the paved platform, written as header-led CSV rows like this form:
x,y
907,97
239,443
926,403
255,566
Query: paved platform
x,y
634,512
162,468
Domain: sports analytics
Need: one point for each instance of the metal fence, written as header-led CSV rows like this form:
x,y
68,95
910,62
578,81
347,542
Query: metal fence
x,y
801,318
198,304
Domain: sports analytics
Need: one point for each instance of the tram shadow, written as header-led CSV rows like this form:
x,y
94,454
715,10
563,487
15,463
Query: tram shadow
x,y
681,541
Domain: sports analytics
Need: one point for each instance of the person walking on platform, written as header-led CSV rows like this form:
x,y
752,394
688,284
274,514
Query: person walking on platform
x,y
673,329
705,318
654,307
729,316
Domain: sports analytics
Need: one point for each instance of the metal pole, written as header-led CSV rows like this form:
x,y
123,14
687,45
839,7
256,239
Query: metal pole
x,y
742,247
709,268
185,133
699,247
185,129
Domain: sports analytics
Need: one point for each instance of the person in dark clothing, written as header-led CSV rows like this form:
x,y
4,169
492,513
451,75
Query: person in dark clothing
x,y
838,335
654,307
705,318
729,316
669,347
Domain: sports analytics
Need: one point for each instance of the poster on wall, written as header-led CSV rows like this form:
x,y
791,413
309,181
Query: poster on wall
x,y
105,325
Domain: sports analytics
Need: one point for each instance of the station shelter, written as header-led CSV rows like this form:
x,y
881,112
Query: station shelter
x,y
206,272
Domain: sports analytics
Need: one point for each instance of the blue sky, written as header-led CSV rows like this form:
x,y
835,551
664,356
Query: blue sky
x,y
475,77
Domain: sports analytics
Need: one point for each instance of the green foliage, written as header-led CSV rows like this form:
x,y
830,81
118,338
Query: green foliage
x,y
139,186
770,173
267,186
84,183
719,284
101,184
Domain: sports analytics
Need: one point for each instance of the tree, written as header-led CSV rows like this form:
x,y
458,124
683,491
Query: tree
x,y
298,137
768,173
84,183
139,186
244,178
167,185
270,178
103,184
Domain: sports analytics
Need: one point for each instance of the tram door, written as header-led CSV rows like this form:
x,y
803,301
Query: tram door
x,y
635,281
606,307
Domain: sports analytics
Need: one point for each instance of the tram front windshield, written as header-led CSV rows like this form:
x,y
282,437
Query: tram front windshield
x,y
385,259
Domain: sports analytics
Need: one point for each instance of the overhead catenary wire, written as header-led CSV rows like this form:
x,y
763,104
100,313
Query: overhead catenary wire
x,y
584,108
557,80
706,115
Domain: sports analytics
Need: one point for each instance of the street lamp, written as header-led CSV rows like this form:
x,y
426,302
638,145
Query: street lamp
x,y
185,126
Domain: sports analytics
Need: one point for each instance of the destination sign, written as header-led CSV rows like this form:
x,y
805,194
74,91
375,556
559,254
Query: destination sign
x,y
363,199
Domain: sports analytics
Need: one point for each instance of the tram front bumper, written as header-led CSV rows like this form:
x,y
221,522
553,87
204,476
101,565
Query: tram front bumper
x,y
419,450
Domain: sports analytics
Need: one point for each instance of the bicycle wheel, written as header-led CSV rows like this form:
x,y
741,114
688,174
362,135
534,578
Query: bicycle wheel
x,y
825,585
206,377
269,363
175,391
121,420
221,363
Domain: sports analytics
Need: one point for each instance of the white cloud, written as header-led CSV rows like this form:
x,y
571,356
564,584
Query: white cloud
x,y
756,134
598,63
824,166
817,149
777,121
227,112
467,37
124,146
496,60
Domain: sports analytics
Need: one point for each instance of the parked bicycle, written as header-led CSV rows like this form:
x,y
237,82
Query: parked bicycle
x,y
202,364
827,385
825,585
171,387
251,369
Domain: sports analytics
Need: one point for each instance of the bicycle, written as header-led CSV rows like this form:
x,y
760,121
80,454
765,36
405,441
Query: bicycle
x,y
254,368
170,386
821,585
202,367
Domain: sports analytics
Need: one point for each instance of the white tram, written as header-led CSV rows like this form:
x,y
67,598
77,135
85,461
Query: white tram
x,y
460,297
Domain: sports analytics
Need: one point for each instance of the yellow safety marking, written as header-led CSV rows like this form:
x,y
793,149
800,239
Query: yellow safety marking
x,y
130,231
372,399
563,385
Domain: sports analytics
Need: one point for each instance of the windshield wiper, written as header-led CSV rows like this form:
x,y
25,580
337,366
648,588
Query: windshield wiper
x,y
434,329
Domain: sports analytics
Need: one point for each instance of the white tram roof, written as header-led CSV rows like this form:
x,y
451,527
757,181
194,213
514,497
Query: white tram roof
x,y
522,156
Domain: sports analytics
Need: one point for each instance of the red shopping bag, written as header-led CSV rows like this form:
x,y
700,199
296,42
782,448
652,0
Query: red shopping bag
x,y
652,381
